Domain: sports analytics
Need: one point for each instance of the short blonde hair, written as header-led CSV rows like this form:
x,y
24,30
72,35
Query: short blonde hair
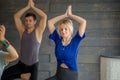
x,y
68,23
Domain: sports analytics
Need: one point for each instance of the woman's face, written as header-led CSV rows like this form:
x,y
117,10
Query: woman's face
x,y
64,31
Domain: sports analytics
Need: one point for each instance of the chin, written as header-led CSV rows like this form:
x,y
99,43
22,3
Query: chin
x,y
64,36
29,27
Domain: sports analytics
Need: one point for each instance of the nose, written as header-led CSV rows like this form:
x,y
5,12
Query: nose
x,y
27,22
63,30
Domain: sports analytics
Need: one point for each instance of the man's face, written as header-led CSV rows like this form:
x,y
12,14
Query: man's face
x,y
29,22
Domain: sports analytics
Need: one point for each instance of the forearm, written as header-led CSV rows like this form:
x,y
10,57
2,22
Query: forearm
x,y
18,21
12,52
56,19
78,19
21,12
39,12
51,22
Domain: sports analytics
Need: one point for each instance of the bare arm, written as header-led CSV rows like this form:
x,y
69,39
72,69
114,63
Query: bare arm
x,y
79,19
51,22
17,19
42,23
11,54
82,22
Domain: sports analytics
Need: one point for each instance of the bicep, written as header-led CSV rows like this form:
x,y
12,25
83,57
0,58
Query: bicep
x,y
19,24
42,24
51,27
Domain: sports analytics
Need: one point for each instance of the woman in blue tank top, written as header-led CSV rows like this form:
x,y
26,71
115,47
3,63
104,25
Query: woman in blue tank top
x,y
66,46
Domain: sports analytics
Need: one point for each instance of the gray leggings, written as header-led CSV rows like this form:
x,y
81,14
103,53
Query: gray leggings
x,y
64,74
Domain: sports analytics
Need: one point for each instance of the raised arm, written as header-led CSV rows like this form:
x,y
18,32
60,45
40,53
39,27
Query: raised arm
x,y
51,22
79,19
43,18
17,18
11,54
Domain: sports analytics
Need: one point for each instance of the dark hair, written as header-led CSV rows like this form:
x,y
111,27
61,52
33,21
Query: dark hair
x,y
31,14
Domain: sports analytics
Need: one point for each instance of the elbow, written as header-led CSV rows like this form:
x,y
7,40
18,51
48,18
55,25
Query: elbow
x,y
10,58
49,22
15,16
84,21
15,57
44,16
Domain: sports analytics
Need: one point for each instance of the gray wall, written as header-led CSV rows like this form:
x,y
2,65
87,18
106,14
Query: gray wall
x,y
102,34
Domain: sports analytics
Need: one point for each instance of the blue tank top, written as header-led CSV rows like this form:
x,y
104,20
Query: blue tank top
x,y
29,52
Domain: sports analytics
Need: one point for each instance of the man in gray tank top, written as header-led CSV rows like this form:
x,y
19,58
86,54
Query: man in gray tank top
x,y
31,38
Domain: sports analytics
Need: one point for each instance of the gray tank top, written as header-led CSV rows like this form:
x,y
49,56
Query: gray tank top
x,y
29,53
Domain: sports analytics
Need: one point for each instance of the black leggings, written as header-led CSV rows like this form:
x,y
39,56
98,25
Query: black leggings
x,y
64,74
16,70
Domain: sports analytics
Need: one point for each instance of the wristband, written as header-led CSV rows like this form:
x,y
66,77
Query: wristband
x,y
5,43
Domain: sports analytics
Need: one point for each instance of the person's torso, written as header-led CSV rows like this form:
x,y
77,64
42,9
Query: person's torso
x,y
67,54
29,48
